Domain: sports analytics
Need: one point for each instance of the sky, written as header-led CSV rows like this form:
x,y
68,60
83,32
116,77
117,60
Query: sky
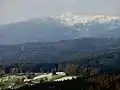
x,y
17,10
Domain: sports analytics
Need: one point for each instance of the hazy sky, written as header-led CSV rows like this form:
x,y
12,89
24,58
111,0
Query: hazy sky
x,y
14,10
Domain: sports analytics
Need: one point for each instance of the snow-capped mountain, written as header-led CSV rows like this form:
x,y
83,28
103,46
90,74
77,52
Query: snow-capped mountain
x,y
89,25
71,19
60,27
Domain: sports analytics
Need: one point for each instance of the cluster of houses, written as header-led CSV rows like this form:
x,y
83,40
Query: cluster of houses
x,y
49,76
38,78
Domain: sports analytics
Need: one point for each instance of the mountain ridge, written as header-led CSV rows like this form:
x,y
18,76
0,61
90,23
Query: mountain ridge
x,y
55,28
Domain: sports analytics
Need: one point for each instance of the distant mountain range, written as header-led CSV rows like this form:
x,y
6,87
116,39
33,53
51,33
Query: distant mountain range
x,y
62,27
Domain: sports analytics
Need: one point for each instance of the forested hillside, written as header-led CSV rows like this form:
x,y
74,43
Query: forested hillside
x,y
46,52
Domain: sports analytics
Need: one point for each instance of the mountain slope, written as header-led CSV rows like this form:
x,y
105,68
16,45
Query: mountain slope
x,y
28,31
61,27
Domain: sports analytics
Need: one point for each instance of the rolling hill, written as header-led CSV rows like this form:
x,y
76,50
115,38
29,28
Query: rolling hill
x,y
49,52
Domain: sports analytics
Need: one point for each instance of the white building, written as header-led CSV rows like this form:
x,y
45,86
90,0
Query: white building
x,y
61,73
65,78
43,76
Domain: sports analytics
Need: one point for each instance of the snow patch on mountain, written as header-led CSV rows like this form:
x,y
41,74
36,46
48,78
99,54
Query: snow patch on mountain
x,y
70,19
